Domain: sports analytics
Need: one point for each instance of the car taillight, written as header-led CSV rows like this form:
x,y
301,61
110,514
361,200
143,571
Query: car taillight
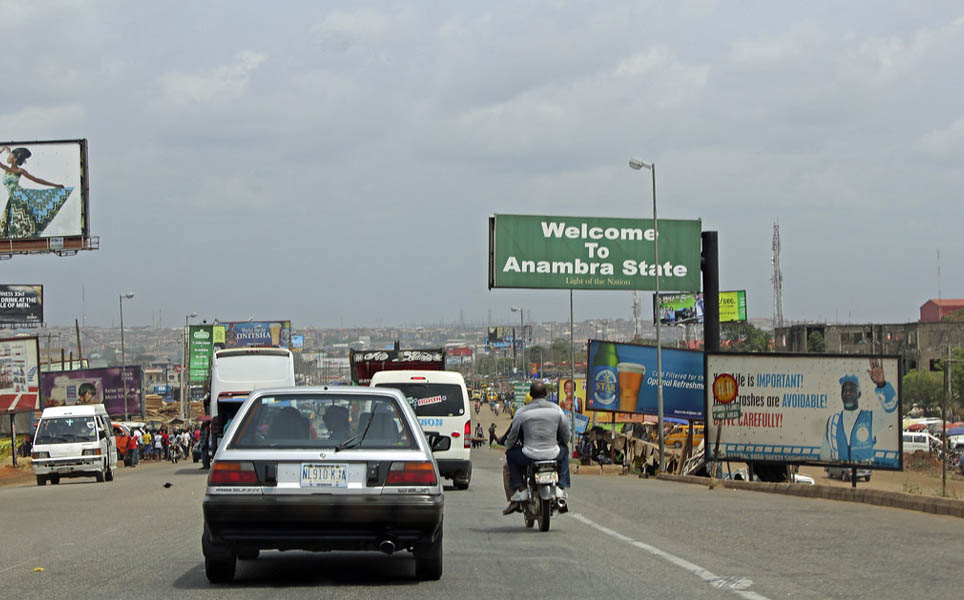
x,y
410,473
39,454
233,473
91,452
467,441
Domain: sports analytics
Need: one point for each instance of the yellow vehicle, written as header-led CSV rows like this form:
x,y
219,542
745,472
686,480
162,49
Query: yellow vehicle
x,y
677,437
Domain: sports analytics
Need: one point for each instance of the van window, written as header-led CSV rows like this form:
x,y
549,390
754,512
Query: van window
x,y
432,399
66,430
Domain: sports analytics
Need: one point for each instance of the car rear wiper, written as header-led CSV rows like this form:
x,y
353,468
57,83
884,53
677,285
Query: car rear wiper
x,y
356,439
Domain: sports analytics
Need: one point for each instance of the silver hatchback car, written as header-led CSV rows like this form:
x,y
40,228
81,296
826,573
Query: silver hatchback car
x,y
324,468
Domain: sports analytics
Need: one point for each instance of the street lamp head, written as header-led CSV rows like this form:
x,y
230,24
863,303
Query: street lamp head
x,y
514,308
192,315
638,164
128,295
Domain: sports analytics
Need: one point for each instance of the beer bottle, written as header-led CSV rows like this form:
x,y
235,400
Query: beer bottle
x,y
604,377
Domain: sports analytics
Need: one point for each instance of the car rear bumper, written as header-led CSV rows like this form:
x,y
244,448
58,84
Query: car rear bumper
x,y
452,468
322,522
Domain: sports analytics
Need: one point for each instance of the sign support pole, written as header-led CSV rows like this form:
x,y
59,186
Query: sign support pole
x,y
572,374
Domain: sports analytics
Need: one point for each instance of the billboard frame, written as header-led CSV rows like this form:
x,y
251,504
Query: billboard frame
x,y
694,321
708,423
59,245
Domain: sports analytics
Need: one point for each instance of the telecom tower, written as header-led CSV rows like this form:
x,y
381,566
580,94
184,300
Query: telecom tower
x,y
777,279
636,315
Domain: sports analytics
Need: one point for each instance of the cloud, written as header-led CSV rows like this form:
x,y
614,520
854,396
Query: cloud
x,y
38,123
21,13
946,142
226,82
880,60
339,31
768,51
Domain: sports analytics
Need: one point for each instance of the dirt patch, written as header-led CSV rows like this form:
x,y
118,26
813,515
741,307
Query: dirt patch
x,y
22,474
921,475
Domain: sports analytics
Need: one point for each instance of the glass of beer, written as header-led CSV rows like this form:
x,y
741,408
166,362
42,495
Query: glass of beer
x,y
630,380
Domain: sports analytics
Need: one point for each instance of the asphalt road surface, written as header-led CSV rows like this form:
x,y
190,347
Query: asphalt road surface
x,y
624,538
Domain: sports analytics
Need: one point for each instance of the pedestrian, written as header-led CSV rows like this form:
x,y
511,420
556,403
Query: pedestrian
x,y
166,444
158,445
132,449
492,437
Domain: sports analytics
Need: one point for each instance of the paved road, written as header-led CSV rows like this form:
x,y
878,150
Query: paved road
x,y
625,538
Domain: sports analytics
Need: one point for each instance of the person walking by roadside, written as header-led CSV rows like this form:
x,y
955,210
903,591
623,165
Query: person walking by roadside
x,y
166,444
132,449
148,447
158,445
492,437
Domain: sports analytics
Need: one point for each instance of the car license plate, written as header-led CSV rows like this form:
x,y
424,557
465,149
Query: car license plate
x,y
547,477
324,475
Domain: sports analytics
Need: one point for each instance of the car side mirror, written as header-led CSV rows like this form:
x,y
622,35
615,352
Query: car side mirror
x,y
440,443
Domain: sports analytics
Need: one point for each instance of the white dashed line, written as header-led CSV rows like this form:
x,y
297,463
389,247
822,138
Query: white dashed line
x,y
737,585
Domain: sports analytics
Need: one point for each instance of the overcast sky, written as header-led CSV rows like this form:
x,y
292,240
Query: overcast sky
x,y
335,163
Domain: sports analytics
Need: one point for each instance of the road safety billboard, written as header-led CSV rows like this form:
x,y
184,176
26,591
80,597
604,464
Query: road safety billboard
x,y
21,306
815,409
96,386
200,350
19,375
592,253
678,309
45,196
623,378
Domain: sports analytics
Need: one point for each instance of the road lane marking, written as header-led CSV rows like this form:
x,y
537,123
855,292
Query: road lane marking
x,y
737,585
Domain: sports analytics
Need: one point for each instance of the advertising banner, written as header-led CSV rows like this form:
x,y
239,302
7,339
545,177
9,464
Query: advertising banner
x,y
569,394
96,386
297,342
276,334
815,409
45,192
200,350
21,306
67,365
592,253
622,377
500,338
677,309
19,375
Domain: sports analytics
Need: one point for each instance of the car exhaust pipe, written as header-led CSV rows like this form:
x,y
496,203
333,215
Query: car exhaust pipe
x,y
387,546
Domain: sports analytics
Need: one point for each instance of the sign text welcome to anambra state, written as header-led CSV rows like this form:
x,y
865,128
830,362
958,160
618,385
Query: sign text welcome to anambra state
x,y
599,253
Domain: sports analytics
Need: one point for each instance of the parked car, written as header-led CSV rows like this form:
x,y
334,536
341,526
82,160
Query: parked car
x,y
319,468
919,442
843,473
677,436
121,437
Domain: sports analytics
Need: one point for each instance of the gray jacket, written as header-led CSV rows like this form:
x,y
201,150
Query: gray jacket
x,y
543,426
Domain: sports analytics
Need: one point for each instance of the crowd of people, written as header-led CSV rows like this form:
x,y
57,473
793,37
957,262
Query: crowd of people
x,y
159,444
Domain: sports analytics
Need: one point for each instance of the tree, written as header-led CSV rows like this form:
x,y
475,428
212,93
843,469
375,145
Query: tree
x,y
924,388
744,337
815,342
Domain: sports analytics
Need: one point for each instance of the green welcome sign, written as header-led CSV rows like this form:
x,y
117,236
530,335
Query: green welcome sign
x,y
200,350
593,253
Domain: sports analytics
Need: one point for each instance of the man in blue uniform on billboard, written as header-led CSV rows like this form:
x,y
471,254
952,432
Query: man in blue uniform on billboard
x,y
851,434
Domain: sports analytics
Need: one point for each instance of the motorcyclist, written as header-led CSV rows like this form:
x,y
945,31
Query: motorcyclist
x,y
545,436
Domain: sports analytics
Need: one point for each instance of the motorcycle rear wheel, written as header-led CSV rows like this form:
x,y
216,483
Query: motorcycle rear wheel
x,y
545,512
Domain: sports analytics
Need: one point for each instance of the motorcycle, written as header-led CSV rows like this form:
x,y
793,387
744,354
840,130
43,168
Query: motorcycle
x,y
542,483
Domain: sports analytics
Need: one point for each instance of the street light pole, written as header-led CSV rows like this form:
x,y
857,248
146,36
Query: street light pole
x,y
522,334
184,359
123,369
637,165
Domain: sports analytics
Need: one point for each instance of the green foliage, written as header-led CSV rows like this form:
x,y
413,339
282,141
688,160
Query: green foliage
x,y
816,343
924,388
744,337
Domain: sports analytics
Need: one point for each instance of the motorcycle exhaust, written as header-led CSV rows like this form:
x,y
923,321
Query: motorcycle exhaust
x,y
387,546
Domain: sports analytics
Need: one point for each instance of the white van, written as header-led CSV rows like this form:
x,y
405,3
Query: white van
x,y
235,373
74,441
919,442
441,404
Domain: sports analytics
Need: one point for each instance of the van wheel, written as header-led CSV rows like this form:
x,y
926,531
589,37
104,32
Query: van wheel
x,y
462,484
55,479
41,480
219,570
99,476
109,475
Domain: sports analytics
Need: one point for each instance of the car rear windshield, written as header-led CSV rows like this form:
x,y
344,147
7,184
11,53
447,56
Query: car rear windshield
x,y
66,430
323,421
432,399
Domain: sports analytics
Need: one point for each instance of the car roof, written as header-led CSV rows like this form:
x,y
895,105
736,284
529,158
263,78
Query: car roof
x,y
81,410
405,376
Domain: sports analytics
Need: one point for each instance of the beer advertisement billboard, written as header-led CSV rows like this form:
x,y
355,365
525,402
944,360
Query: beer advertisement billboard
x,y
21,306
19,375
678,309
45,187
841,410
623,378
241,334
593,253
96,386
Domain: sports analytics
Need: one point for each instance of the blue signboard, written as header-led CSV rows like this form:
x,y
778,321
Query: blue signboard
x,y
622,378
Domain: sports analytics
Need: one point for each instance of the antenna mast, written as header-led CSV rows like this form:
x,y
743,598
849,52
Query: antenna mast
x,y
777,279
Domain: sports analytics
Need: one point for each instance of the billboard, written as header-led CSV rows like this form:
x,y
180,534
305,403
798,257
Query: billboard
x,y
297,342
815,409
21,306
241,334
677,309
500,339
19,375
622,378
67,365
569,394
200,350
96,386
592,253
45,188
